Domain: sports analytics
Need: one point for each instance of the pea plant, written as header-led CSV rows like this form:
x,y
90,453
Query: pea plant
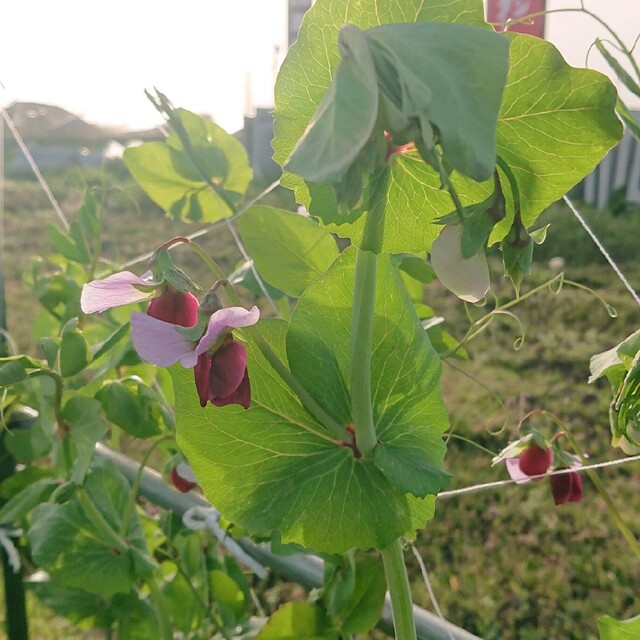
x,y
407,129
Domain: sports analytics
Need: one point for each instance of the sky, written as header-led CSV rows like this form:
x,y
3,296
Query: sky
x,y
219,57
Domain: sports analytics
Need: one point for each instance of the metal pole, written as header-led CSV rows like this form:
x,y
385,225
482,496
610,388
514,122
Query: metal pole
x,y
306,570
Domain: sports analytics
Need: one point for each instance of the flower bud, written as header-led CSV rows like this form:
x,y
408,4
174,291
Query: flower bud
x,y
534,460
175,307
566,487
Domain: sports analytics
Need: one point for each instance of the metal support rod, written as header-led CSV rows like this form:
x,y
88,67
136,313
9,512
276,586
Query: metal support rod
x,y
14,595
305,570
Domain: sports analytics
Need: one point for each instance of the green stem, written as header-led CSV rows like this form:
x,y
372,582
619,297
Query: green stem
x,y
627,534
271,356
161,611
361,339
99,522
400,592
128,511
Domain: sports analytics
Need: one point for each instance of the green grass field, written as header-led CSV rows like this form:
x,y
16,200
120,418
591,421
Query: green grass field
x,y
505,563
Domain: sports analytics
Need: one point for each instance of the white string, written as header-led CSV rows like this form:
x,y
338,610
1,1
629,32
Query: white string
x,y
34,168
476,488
603,251
432,595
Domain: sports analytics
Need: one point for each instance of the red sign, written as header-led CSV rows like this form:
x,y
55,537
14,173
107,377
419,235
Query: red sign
x,y
500,11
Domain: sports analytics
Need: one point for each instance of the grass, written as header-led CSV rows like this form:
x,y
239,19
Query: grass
x,y
505,563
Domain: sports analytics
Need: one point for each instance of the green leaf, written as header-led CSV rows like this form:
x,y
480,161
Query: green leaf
x,y
71,246
442,69
74,353
344,120
66,543
86,427
611,629
297,621
272,467
104,347
367,601
618,69
226,591
339,582
628,118
289,250
132,406
86,610
14,369
244,276
409,413
415,199
88,216
26,500
171,175
555,126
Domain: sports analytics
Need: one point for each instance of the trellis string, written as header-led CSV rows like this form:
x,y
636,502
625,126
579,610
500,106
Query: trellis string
x,y
476,488
602,249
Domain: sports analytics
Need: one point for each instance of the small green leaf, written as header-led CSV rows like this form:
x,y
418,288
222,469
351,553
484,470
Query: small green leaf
x,y
367,601
618,69
132,406
297,621
339,583
611,629
226,591
344,120
14,369
71,246
289,250
104,347
83,416
177,178
628,118
23,502
418,268
74,353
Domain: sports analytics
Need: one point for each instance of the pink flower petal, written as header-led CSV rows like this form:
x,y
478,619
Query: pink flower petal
x,y
225,320
517,475
115,291
160,343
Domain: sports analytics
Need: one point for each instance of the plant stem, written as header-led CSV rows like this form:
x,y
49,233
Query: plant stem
x,y
163,619
272,357
398,582
133,494
361,339
99,522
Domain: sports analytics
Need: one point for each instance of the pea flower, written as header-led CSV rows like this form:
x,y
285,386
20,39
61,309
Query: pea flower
x,y
219,362
117,290
182,477
533,461
566,487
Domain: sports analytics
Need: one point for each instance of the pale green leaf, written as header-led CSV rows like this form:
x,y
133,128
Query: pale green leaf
x,y
289,250
611,629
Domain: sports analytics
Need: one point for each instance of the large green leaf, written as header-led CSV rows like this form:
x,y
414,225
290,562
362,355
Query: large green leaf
x,y
75,552
273,467
555,125
611,629
297,621
289,250
414,196
409,413
176,177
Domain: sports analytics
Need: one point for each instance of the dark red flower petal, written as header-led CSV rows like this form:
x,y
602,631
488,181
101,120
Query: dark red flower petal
x,y
566,487
180,483
241,396
534,460
176,307
201,374
228,368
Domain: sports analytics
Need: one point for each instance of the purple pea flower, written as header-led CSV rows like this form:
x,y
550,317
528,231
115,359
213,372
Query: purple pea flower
x,y
219,362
